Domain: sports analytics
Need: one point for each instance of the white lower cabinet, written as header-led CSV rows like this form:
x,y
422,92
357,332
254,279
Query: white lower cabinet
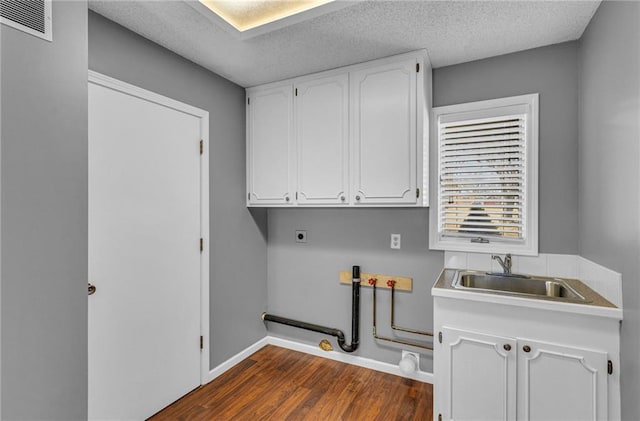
x,y
492,378
515,359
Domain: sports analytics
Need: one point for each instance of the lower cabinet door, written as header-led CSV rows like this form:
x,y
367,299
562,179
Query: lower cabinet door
x,y
479,381
558,382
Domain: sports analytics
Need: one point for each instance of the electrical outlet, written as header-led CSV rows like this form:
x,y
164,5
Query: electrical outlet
x,y
301,236
395,241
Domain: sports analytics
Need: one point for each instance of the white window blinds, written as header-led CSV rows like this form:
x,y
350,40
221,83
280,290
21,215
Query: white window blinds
x,y
482,177
486,183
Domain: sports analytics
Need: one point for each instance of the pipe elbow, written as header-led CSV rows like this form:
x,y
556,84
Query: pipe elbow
x,y
347,348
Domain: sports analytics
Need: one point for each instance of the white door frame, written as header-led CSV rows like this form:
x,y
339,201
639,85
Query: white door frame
x,y
117,85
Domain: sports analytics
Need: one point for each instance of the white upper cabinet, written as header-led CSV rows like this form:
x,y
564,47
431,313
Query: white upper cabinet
x,y
384,142
270,146
347,137
322,140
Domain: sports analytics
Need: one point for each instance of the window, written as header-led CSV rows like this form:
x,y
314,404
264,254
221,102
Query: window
x,y
487,181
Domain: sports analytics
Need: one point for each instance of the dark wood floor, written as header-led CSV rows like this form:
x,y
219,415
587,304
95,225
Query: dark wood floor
x,y
280,384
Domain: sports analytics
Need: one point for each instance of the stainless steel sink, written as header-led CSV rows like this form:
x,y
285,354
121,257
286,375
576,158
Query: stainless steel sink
x,y
528,286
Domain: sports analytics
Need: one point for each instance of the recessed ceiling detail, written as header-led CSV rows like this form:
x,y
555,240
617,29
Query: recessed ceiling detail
x,y
248,14
245,19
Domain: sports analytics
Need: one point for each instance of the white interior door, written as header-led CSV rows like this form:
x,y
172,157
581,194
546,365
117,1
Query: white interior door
x,y
144,254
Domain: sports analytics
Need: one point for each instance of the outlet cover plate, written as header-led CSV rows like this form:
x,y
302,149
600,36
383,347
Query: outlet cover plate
x,y
396,241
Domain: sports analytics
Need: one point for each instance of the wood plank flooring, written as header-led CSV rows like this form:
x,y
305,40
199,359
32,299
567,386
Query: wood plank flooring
x,y
280,384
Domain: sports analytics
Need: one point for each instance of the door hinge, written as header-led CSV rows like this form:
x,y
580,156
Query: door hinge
x,y
439,417
201,342
417,193
248,101
610,367
201,245
440,337
417,67
296,91
201,147
248,196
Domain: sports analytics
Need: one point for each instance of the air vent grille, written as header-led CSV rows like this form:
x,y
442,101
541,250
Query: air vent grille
x,y
30,16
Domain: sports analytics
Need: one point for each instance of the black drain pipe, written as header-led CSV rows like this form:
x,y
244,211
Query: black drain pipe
x,y
355,318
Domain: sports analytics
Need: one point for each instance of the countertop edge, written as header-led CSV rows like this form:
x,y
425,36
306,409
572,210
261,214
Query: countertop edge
x,y
597,311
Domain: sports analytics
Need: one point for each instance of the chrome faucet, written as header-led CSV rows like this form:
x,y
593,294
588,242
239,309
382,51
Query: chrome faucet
x,y
506,263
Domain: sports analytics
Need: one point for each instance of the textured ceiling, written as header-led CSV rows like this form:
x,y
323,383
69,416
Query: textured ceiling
x,y
451,32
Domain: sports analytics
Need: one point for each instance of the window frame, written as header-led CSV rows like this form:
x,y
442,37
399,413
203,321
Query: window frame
x,y
521,104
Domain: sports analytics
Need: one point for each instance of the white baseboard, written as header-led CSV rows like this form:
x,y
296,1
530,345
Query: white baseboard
x,y
421,376
245,353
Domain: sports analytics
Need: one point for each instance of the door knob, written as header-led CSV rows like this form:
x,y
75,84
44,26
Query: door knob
x,y
92,289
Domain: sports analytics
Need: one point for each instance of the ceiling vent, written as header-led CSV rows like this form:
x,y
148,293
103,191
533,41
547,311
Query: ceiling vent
x,y
30,16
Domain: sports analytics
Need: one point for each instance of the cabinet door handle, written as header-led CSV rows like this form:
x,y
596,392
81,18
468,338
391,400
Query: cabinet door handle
x,y
358,198
526,348
507,347
286,198
342,198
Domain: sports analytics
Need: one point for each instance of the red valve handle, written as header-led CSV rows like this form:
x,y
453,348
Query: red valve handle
x,y
391,283
372,281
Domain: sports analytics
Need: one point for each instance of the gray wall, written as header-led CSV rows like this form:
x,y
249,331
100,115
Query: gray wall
x,y
303,278
551,72
44,220
238,236
609,167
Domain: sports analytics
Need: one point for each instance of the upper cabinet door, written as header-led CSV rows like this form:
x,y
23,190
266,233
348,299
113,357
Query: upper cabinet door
x,y
557,382
322,134
384,130
270,146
